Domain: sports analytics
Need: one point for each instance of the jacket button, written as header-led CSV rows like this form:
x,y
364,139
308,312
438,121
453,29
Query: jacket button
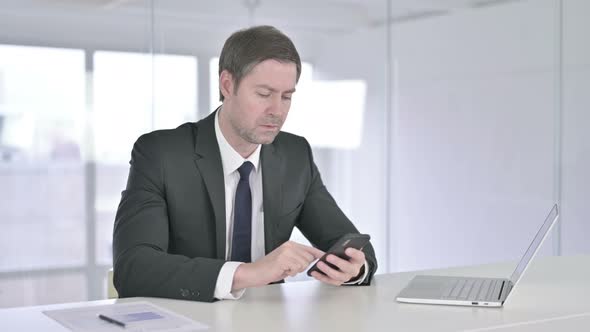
x,y
184,292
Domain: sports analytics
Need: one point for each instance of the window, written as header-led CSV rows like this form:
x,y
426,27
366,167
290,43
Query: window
x,y
214,84
64,159
134,94
42,196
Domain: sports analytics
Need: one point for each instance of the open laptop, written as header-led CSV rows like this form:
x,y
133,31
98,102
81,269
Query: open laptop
x,y
469,291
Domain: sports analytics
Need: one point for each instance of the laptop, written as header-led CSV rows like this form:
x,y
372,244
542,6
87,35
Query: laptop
x,y
469,291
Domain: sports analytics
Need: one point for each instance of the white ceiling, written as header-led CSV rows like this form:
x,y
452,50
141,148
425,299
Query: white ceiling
x,y
334,14
204,24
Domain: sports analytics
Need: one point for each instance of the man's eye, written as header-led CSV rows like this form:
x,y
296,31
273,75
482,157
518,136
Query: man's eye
x,y
287,97
263,95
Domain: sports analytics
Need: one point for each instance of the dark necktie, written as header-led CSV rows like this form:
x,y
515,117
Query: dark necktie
x,y
242,235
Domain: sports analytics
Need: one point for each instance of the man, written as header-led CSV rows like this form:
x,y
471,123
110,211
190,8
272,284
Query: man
x,y
210,206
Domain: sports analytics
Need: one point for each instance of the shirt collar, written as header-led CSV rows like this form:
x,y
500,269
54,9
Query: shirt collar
x,y
231,160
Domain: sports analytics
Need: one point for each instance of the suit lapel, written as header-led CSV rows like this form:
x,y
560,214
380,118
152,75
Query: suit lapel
x,y
208,161
272,174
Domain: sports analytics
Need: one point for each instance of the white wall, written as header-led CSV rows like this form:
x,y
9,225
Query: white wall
x,y
357,178
576,122
475,96
474,134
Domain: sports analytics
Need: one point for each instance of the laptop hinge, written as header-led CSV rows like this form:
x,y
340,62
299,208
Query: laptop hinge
x,y
505,290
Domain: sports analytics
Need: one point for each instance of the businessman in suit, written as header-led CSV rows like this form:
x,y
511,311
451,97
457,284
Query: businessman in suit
x,y
209,207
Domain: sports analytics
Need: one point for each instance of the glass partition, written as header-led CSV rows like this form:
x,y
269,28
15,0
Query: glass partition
x,y
445,130
474,136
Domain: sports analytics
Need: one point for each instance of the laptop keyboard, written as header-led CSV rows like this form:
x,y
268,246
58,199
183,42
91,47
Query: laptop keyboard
x,y
472,289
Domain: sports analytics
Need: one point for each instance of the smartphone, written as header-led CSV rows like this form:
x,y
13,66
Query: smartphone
x,y
352,240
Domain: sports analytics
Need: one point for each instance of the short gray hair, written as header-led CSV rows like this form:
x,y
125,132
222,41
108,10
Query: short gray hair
x,y
246,48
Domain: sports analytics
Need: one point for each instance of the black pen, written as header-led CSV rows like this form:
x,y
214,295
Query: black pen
x,y
111,320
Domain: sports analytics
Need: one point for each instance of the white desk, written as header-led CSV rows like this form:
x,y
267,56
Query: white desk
x,y
553,296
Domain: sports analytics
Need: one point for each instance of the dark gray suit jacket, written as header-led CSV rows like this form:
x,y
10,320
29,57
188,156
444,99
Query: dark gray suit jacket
x,y
169,233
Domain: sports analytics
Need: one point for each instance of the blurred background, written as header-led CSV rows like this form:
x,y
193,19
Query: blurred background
x,y
445,129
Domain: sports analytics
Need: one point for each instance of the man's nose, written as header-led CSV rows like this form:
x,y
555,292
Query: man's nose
x,y
276,105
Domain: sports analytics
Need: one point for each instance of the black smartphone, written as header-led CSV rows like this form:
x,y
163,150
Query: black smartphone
x,y
352,240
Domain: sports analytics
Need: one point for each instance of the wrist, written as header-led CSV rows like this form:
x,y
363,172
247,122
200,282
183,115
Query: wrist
x,y
358,275
243,277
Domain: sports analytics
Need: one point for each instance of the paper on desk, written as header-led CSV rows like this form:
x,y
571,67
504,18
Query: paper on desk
x,y
138,316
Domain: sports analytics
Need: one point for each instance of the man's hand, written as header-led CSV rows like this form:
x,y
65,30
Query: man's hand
x,y
346,271
287,260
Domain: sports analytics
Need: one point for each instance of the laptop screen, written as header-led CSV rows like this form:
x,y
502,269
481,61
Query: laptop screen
x,y
530,253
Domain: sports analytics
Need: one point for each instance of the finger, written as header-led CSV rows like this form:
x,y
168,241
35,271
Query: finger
x,y
309,251
291,273
293,256
304,254
356,256
315,252
300,259
332,273
292,264
288,272
344,265
324,278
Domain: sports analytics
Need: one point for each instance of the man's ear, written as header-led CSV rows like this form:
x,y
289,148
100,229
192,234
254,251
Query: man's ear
x,y
226,83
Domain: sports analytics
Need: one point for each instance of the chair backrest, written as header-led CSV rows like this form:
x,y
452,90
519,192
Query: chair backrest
x,y
111,291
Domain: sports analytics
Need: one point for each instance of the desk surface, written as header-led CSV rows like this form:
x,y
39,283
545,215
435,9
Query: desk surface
x,y
553,295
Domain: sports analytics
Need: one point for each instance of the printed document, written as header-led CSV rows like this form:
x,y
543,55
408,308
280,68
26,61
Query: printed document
x,y
131,316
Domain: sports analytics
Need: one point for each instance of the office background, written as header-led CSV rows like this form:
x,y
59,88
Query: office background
x,y
445,129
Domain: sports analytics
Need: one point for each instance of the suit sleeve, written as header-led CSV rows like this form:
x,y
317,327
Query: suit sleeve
x,y
323,222
142,264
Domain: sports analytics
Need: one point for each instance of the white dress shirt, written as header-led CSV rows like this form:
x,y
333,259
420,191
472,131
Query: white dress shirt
x,y
231,161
